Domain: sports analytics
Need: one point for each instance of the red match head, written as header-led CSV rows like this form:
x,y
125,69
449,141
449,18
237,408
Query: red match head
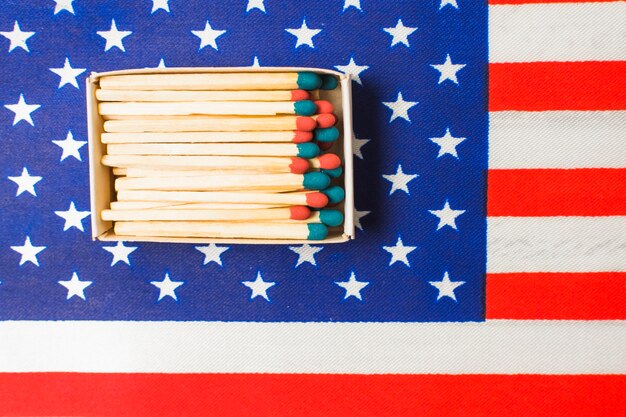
x,y
323,106
300,136
329,161
305,123
299,212
326,120
298,165
297,95
316,200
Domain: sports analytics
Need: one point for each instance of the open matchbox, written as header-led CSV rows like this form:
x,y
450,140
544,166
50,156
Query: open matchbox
x,y
101,178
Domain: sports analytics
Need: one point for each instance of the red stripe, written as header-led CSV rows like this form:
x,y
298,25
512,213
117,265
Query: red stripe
x,y
556,192
557,296
541,86
547,1
236,395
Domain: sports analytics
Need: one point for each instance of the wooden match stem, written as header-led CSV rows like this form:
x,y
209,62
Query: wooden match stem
x,y
283,182
178,172
198,137
296,198
218,108
217,149
274,164
170,95
244,230
148,205
202,124
197,215
212,81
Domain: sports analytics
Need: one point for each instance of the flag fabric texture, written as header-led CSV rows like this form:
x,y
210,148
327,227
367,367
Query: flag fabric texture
x,y
488,273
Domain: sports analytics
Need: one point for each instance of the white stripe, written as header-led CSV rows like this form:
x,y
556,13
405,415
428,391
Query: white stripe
x,y
557,139
556,244
497,347
557,32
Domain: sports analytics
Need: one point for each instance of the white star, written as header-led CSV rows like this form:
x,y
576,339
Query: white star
x,y
353,69
358,215
212,253
259,287
446,287
306,253
68,74
208,36
448,70
22,111
357,144
400,33
160,5
63,5
72,217
17,37
70,146
400,108
28,252
75,287
447,216
120,252
447,144
399,252
304,35
452,3
256,4
399,180
352,286
161,63
255,62
114,37
25,182
167,287
352,3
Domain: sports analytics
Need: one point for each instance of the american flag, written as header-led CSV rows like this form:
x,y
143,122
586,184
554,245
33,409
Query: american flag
x,y
488,274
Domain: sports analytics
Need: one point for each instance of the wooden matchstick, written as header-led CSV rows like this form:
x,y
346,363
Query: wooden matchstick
x,y
313,199
208,137
202,123
233,230
277,164
214,81
218,108
169,95
303,150
148,205
288,213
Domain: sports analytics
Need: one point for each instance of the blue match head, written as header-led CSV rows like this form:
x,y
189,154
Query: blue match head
x,y
331,218
329,82
335,194
315,181
304,107
308,150
333,173
329,134
317,231
309,81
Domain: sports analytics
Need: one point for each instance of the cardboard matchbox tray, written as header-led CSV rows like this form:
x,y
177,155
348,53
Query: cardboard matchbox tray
x,y
101,179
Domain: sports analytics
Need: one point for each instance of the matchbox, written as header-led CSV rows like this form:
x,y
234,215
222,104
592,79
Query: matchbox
x,y
102,178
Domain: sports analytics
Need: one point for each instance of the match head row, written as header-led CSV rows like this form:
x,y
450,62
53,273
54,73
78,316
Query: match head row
x,y
312,81
327,161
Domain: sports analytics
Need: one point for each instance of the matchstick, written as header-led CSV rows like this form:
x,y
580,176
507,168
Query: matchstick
x,y
277,164
214,81
218,123
218,108
296,136
331,218
232,230
312,199
169,95
302,150
148,205
234,182
288,213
